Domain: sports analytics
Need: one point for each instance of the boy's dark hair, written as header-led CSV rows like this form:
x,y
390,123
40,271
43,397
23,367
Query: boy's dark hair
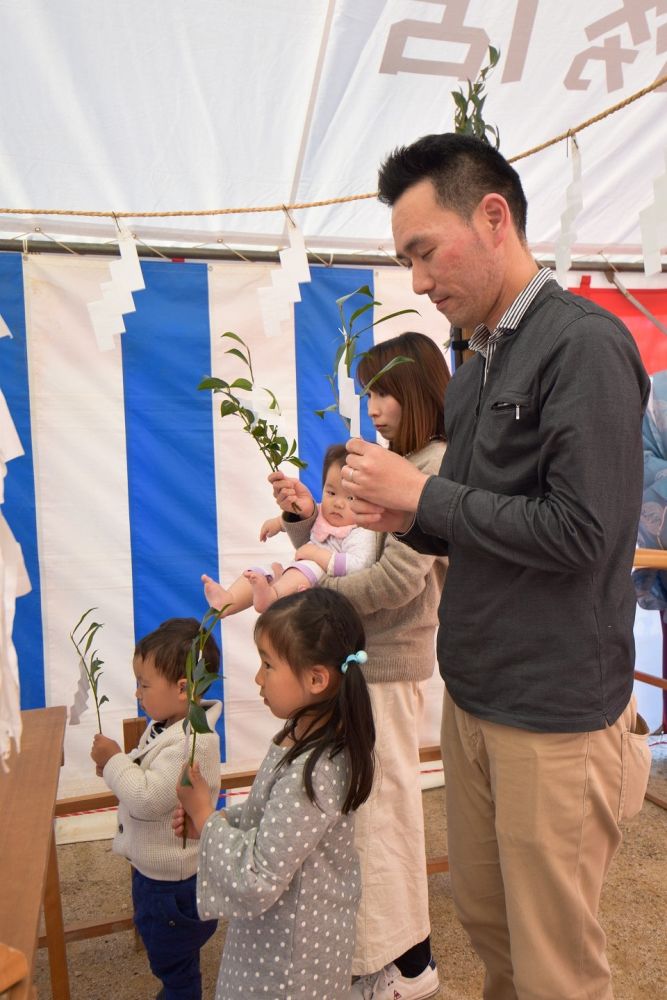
x,y
320,627
334,455
462,170
419,386
169,643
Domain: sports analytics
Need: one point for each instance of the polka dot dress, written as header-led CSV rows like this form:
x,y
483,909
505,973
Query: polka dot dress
x,y
286,874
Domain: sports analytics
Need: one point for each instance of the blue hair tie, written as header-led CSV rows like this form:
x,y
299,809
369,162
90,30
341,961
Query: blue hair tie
x,y
359,657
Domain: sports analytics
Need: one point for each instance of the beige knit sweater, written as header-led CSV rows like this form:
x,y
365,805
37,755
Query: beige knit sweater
x,y
397,597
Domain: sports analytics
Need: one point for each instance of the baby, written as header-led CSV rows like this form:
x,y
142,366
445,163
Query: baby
x,y
337,547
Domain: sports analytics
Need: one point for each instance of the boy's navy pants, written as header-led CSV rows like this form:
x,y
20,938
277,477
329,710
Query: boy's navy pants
x,y
165,914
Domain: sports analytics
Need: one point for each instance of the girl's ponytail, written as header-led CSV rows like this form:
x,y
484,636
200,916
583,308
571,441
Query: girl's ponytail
x,y
357,729
321,627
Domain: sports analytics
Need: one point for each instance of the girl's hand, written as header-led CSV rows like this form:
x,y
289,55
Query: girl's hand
x,y
195,799
103,750
272,527
291,495
178,824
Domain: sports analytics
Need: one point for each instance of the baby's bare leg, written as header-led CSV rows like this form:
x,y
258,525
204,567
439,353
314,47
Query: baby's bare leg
x,y
236,598
291,582
264,589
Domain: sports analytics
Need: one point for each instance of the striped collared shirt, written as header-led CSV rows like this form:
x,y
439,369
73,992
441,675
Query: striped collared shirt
x,y
484,340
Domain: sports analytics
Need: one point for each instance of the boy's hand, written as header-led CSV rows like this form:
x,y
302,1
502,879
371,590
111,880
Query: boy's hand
x,y
195,800
103,750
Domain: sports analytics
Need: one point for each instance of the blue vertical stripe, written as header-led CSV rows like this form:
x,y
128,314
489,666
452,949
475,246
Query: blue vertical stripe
x,y
317,338
169,432
19,506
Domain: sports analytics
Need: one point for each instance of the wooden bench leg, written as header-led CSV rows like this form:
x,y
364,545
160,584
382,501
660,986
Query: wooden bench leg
x,y
55,931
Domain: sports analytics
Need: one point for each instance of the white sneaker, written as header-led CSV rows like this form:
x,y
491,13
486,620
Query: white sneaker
x,y
362,988
389,984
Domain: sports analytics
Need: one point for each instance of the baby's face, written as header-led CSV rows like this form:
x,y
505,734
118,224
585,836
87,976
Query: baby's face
x,y
336,502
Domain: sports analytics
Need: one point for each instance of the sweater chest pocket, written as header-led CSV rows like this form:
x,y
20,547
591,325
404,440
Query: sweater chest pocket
x,y
507,440
513,406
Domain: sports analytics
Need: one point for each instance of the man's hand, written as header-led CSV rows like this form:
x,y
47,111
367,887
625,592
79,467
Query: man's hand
x,y
291,495
370,515
386,481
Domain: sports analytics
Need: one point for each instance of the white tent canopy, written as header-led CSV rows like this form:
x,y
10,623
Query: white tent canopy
x,y
165,106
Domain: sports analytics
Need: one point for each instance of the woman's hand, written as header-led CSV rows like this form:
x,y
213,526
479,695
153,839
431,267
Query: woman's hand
x,y
291,495
315,553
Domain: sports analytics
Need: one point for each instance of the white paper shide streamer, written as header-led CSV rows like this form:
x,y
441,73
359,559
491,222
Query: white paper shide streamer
x,y
80,703
348,401
277,299
574,203
14,583
653,226
107,313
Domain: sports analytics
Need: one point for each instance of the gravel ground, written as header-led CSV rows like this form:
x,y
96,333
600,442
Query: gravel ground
x,y
95,883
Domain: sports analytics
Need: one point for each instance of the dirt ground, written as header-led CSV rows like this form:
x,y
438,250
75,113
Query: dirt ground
x,y
95,883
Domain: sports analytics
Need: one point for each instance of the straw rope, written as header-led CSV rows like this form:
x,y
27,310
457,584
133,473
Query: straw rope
x,y
591,121
193,213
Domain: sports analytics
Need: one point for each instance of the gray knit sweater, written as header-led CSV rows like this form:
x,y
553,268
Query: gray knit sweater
x,y
397,597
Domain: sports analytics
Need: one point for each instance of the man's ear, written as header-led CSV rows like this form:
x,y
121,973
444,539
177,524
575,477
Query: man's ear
x,y
495,215
183,688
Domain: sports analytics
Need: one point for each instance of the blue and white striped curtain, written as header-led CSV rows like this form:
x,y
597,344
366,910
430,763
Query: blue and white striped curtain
x,y
132,485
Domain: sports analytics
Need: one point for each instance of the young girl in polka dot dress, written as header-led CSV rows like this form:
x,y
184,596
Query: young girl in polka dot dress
x,y
282,866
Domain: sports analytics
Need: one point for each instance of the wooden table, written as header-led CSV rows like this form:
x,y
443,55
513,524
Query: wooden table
x,y
28,862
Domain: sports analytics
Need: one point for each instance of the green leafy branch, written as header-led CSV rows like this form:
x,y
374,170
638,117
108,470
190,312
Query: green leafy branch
x,y
92,666
348,349
468,116
274,447
198,680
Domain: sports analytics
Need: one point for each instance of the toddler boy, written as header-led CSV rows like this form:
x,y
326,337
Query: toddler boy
x,y
144,781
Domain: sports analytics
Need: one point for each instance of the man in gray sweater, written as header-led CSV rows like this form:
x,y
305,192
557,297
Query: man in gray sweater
x,y
536,505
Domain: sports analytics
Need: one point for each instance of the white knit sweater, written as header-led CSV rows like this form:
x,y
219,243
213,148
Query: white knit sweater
x,y
145,785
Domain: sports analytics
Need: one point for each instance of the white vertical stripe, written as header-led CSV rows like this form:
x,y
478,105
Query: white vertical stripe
x,y
244,497
78,431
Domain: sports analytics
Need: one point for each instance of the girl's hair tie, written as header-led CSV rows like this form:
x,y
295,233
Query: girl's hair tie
x,y
359,657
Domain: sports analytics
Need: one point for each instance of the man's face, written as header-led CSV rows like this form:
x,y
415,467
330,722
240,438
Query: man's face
x,y
456,263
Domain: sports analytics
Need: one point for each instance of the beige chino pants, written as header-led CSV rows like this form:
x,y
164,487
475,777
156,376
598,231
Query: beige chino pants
x,y
389,835
533,823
